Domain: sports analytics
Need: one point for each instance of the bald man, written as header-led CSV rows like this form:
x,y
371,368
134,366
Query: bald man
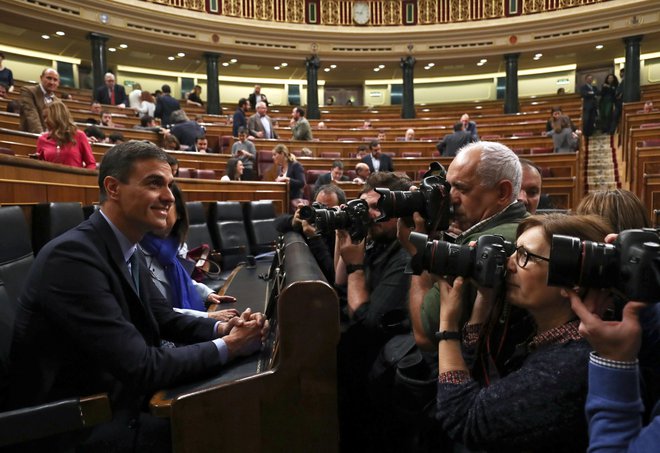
x,y
34,100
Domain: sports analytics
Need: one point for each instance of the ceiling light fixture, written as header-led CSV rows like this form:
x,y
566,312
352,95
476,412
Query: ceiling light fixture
x,y
376,69
381,66
430,65
327,70
170,58
123,46
599,46
181,54
225,64
45,36
112,49
284,65
277,68
333,66
233,60
60,33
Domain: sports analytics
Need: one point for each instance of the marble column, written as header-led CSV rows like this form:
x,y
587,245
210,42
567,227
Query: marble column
x,y
511,104
99,57
631,90
408,105
312,64
212,87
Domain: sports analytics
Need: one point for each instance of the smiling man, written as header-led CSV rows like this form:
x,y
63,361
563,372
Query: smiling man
x,y
34,100
91,321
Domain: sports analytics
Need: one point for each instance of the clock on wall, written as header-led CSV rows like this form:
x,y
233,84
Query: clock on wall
x,y
361,13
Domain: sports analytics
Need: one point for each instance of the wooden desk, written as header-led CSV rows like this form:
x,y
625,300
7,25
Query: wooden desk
x,y
283,399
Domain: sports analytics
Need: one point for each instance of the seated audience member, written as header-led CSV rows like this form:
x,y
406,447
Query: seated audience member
x,y
362,150
95,134
234,170
202,144
530,188
91,320
106,119
470,126
555,113
321,125
174,164
246,152
538,404
96,109
110,93
335,174
161,250
14,106
382,136
366,124
34,100
321,244
410,135
116,138
563,138
171,143
135,96
64,143
376,160
330,101
4,89
451,143
289,170
648,107
165,105
362,173
193,97
561,90
306,152
185,130
300,128
148,123
147,104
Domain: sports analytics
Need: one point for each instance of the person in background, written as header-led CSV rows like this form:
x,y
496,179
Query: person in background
x,y
563,138
134,97
174,164
246,152
257,96
530,188
290,170
588,92
147,105
202,145
116,138
185,130
234,170
556,112
362,173
110,93
239,119
335,174
193,97
321,125
410,135
376,160
165,105
6,76
161,251
260,125
300,128
14,106
621,208
4,89
64,143
95,134
106,119
470,126
648,107
366,124
171,143
34,100
451,143
606,106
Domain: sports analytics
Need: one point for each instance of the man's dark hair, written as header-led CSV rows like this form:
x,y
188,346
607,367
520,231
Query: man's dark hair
x,y
116,137
14,106
166,88
300,111
145,120
387,180
458,126
118,162
200,137
528,163
338,164
180,228
242,130
373,144
96,132
329,189
242,102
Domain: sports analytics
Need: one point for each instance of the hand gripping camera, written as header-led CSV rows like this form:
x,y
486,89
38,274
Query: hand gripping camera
x,y
631,264
353,217
484,262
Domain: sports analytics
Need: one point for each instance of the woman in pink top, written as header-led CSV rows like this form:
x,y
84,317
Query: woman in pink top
x,y
64,143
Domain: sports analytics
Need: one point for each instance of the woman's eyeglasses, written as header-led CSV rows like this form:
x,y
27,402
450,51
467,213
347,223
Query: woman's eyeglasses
x,y
523,256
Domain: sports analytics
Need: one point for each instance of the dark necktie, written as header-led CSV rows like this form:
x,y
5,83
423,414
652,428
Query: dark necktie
x,y
135,270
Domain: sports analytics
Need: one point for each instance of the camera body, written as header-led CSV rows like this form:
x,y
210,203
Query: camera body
x,y
483,262
630,265
352,217
432,200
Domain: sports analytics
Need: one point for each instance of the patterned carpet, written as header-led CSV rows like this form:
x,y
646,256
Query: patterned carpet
x,y
601,167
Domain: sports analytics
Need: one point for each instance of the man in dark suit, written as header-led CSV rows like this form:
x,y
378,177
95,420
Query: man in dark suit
x,y
336,173
454,141
239,119
111,93
165,105
589,91
256,97
91,320
470,126
34,99
376,160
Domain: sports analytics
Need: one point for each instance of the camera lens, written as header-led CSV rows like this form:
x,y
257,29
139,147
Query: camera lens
x,y
307,213
396,203
600,265
565,261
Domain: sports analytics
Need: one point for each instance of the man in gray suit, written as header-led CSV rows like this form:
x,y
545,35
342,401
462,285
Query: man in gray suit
x,y
260,124
34,100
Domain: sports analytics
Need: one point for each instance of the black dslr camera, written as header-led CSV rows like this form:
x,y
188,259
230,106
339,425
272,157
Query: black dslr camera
x,y
353,217
485,262
431,200
631,264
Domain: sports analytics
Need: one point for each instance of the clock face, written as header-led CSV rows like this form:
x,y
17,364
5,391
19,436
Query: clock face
x,y
361,13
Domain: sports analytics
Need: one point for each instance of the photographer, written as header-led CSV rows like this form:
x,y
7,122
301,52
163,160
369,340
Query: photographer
x,y
536,404
377,288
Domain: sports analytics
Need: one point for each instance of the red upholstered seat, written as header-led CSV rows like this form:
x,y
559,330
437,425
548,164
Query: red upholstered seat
x,y
186,173
205,174
539,150
331,154
411,154
312,175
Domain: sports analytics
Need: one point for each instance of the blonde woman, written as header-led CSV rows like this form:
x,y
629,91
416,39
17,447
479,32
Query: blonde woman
x,y
64,143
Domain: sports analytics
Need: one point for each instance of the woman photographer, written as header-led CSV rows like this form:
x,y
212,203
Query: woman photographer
x,y
537,404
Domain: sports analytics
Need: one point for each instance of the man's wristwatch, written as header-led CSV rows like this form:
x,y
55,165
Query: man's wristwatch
x,y
447,335
350,268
